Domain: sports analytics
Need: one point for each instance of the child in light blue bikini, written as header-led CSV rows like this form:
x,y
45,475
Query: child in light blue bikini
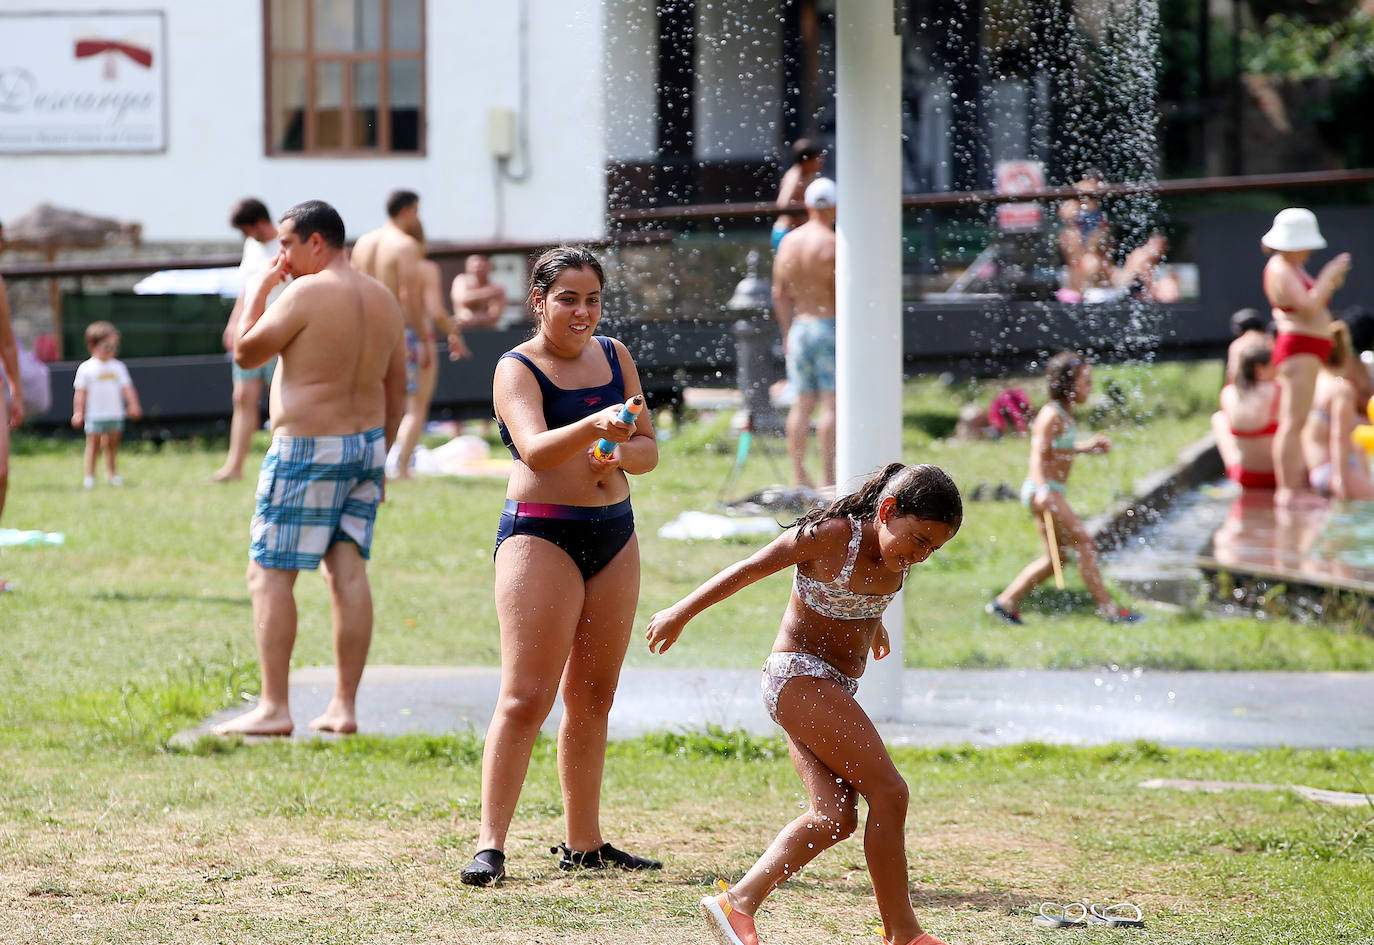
x,y
1054,445
851,560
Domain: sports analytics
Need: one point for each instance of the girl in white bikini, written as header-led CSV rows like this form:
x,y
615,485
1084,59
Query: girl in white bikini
x,y
851,560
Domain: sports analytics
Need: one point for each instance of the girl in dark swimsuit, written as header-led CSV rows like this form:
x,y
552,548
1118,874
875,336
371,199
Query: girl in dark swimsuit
x,y
567,560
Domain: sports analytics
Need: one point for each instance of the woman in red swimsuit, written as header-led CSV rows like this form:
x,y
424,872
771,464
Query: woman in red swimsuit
x,y
1248,418
1303,319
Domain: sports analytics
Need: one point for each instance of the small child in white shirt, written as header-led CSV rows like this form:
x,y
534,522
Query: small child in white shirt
x,y
103,391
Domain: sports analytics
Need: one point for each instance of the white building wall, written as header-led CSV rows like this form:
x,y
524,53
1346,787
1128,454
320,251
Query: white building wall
x,y
739,80
215,130
631,78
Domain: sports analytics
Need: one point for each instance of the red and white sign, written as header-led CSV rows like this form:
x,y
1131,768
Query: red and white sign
x,y
82,82
1019,177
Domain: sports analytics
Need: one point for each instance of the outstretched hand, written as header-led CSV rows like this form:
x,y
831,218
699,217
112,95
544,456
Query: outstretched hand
x,y
1097,445
664,629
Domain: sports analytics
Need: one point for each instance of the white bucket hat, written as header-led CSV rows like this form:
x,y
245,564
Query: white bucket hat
x,y
1294,229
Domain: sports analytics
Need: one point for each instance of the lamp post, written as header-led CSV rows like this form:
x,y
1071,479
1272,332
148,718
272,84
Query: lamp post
x,y
757,343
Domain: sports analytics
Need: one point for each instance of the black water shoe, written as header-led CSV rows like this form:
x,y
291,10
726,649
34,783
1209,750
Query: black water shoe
x,y
601,858
488,867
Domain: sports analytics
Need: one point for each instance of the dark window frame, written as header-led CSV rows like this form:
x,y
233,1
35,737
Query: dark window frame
x,y
383,56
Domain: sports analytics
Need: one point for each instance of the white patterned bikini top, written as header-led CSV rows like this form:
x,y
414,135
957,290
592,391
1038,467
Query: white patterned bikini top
x,y
836,599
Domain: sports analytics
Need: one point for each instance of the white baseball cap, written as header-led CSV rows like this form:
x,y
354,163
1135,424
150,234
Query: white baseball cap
x,y
1294,229
820,195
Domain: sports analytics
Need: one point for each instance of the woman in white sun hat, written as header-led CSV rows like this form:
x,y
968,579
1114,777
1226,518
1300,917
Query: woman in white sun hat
x,y
1303,318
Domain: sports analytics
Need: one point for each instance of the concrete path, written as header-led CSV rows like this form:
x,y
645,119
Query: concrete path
x,y
981,707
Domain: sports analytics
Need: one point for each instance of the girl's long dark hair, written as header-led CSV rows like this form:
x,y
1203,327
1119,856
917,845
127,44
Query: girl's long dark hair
x,y
1061,375
924,491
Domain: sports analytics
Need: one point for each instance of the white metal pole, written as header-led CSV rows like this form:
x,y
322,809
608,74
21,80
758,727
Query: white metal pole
x,y
868,279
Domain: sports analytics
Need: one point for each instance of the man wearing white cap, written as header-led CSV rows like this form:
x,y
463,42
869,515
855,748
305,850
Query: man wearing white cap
x,y
804,304
1303,318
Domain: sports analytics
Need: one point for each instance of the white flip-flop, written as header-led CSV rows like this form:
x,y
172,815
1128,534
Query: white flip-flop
x,y
1121,915
1052,915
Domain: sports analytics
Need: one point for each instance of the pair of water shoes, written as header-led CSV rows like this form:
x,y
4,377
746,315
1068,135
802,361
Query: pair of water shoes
x,y
488,867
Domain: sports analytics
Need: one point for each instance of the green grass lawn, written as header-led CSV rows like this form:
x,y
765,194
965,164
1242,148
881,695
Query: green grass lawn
x,y
139,625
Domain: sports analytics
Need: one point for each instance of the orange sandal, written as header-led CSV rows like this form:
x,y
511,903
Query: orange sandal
x,y
728,924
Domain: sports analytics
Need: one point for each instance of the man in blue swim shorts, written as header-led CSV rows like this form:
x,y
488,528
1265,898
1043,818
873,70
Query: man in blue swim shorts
x,y
804,304
250,217
336,405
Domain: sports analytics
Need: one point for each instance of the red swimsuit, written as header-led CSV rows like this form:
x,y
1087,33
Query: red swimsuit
x,y
1288,344
1252,478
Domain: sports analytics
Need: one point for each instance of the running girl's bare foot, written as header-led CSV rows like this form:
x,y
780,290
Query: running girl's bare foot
x,y
258,721
336,719
225,475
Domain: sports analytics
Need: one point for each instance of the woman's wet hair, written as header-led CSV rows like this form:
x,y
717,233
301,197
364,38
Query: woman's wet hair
x,y
922,491
550,265
1251,359
1061,375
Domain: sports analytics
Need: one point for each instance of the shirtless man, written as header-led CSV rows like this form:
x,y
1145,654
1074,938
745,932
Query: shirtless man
x,y
807,159
477,301
392,255
336,404
804,305
9,376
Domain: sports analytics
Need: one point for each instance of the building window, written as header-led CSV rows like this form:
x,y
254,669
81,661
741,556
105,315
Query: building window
x,y
345,76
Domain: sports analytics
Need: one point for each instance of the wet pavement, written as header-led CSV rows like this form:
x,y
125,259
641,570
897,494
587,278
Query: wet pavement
x,y
982,707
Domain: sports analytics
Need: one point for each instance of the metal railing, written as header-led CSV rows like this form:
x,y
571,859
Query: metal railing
x,y
759,209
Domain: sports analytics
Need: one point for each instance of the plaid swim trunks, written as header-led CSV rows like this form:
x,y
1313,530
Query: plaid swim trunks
x,y
314,491
811,355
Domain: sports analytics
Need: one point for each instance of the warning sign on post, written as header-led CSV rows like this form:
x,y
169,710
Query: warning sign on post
x,y
1019,177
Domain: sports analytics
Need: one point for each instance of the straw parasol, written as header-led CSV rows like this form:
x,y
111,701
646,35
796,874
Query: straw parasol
x,y
49,230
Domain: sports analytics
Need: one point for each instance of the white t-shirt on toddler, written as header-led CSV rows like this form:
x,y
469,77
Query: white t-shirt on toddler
x,y
104,383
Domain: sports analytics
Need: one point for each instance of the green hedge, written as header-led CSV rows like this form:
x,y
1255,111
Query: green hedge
x,y
149,325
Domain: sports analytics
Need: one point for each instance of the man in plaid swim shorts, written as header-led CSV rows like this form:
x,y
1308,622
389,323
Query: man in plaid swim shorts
x,y
336,404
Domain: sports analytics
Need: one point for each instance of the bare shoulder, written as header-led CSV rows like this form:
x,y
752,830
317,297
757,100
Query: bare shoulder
x,y
1048,417
366,242
828,536
785,258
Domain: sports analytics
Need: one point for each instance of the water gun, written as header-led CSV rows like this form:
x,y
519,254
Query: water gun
x,y
1363,435
628,413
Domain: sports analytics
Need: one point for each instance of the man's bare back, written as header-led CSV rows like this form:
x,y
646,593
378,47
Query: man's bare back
x,y
392,257
804,272
339,334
